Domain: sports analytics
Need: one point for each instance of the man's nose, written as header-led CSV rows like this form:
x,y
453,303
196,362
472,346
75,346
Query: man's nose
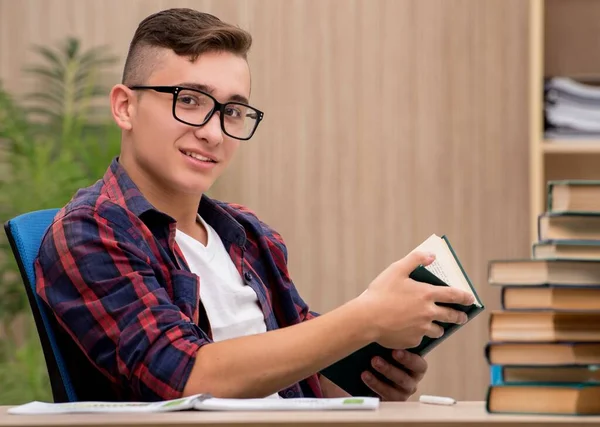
x,y
211,131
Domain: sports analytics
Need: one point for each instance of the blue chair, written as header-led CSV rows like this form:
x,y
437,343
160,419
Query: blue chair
x,y
25,233
72,376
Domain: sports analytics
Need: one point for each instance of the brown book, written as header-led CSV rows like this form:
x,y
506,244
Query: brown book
x,y
537,326
571,227
542,353
550,298
574,196
551,374
562,250
543,272
564,399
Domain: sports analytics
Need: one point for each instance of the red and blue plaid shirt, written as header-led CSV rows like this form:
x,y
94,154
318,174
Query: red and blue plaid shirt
x,y
110,270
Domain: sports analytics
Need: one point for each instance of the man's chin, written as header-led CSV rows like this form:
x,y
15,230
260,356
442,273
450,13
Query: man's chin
x,y
193,183
197,189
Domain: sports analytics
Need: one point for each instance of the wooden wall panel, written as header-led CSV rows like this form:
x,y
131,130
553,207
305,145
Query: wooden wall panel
x,y
386,121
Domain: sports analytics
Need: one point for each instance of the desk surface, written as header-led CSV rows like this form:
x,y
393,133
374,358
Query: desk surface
x,y
471,414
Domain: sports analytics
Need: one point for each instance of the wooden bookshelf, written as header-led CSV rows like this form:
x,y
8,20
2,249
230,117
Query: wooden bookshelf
x,y
564,40
571,147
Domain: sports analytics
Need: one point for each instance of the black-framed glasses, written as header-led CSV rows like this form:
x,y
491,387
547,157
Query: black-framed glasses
x,y
195,108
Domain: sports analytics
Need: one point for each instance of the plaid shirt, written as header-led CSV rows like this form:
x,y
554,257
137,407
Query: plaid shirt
x,y
111,271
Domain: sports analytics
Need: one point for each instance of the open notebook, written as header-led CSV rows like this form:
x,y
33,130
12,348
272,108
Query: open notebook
x,y
200,402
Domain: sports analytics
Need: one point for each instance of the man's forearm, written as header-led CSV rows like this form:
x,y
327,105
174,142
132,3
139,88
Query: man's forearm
x,y
262,364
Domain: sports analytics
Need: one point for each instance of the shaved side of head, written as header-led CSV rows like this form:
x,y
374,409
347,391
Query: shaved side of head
x,y
187,32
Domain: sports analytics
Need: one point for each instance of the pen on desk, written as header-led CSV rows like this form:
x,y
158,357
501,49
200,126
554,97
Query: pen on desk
x,y
436,400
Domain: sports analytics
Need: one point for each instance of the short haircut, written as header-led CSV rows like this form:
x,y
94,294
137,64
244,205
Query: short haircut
x,y
187,32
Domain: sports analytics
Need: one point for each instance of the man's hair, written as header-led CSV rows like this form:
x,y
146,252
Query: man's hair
x,y
186,32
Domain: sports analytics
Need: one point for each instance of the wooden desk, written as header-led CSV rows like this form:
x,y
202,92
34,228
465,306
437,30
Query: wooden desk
x,y
409,414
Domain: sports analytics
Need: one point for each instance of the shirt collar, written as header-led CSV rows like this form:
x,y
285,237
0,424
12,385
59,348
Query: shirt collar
x,y
218,216
123,191
121,188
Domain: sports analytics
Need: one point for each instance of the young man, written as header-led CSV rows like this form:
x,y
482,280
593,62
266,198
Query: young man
x,y
169,293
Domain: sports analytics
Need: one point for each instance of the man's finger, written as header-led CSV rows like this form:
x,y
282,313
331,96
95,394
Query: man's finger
x,y
449,315
402,380
415,364
451,295
385,391
434,331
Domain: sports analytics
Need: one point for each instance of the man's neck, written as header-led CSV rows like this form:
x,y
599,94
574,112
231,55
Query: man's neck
x,y
181,207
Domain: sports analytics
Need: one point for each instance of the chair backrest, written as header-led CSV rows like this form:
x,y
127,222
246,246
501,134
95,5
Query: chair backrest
x,y
25,233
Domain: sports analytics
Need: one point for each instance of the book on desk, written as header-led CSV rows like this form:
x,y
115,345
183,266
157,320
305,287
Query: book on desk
x,y
544,347
199,402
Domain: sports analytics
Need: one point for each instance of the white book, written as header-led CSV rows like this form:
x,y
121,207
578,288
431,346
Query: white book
x,y
199,402
574,87
573,119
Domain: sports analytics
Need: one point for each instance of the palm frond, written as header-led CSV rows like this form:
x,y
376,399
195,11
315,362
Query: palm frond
x,y
52,74
71,78
49,55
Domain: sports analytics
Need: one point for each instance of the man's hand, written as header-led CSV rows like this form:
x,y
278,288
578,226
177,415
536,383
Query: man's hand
x,y
401,311
405,383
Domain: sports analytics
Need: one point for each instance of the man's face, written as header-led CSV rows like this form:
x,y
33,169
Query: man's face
x,y
173,154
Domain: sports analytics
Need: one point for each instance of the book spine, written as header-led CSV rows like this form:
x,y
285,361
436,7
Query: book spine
x,y
496,374
486,352
487,398
489,272
539,226
549,194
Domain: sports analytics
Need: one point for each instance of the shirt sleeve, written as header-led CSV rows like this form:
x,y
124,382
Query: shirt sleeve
x,y
99,282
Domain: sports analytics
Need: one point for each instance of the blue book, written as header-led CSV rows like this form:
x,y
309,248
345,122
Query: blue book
x,y
536,374
496,377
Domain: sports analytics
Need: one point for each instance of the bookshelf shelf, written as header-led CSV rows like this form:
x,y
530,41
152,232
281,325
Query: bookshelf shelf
x,y
563,43
571,147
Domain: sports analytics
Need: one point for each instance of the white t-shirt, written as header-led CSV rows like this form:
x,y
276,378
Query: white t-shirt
x,y
232,307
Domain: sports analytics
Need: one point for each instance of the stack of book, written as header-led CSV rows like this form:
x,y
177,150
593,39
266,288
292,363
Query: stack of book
x,y
544,347
571,109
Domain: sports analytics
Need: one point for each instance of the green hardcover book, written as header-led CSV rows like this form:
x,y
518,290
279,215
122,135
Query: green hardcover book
x,y
544,399
446,270
574,195
568,226
538,272
554,374
566,249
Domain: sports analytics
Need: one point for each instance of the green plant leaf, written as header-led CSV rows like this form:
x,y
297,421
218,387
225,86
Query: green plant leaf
x,y
54,141
71,79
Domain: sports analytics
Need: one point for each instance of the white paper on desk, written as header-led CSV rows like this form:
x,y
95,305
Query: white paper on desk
x,y
33,408
295,404
201,403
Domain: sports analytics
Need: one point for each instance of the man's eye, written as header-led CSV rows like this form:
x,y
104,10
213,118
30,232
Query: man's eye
x,y
188,100
233,112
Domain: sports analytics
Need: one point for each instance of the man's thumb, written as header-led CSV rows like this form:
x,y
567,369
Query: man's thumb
x,y
416,258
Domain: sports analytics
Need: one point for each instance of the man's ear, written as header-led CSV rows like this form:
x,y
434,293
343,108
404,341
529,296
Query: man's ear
x,y
122,104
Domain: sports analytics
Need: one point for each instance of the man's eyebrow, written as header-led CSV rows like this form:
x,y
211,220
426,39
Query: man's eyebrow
x,y
239,98
210,89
